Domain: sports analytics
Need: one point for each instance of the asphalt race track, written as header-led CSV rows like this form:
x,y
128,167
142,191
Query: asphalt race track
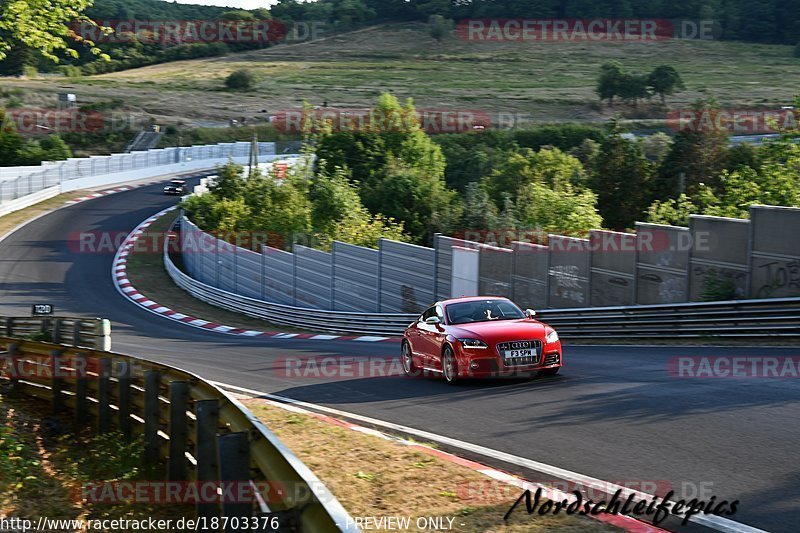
x,y
615,413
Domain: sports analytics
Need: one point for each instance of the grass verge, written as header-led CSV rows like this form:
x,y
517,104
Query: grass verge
x,y
145,269
371,476
43,467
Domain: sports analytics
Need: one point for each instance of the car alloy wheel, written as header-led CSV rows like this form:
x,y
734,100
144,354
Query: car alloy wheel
x,y
449,367
408,360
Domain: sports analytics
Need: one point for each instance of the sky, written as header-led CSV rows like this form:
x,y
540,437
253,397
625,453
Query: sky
x,y
237,4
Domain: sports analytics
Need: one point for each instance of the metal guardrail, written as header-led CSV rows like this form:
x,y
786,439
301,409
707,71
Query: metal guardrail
x,y
774,317
738,318
201,432
78,332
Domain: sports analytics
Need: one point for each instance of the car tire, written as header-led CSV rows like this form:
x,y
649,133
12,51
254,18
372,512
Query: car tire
x,y
407,359
449,365
549,371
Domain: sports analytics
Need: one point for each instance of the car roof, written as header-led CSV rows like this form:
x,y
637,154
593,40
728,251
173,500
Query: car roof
x,y
178,181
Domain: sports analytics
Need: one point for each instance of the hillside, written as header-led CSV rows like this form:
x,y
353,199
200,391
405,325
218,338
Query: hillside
x,y
546,82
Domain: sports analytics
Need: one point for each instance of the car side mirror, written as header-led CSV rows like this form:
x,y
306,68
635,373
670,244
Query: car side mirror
x,y
433,320
530,313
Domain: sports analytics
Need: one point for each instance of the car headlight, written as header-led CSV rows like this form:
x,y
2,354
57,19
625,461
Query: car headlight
x,y
475,344
551,337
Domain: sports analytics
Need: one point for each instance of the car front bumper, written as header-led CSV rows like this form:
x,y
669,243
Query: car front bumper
x,y
473,363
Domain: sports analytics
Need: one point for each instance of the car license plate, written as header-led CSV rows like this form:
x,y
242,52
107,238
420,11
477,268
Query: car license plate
x,y
513,354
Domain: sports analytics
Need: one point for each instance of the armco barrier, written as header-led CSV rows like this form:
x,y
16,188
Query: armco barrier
x,y
761,319
200,432
78,332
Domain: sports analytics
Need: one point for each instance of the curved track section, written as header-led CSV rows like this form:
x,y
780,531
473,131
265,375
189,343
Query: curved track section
x,y
616,413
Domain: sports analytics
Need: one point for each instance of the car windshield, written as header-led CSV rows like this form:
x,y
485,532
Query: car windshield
x,y
483,311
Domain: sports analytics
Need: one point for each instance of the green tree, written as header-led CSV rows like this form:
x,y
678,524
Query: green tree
x,y
632,88
55,149
656,147
397,168
43,26
622,181
439,27
550,166
241,79
673,212
10,141
418,199
479,211
697,156
229,182
566,212
338,214
665,81
610,80
586,153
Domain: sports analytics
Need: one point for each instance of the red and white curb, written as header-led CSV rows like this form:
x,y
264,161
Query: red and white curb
x,y
623,522
126,288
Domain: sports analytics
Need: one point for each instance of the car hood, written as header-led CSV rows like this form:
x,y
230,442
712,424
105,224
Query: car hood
x,y
501,330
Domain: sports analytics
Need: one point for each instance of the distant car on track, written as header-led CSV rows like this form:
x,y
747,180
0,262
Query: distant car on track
x,y
176,187
479,337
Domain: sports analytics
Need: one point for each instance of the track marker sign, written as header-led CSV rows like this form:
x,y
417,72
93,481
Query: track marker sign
x,y
42,310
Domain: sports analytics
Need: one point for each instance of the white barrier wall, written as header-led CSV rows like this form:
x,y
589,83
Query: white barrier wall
x,y
21,187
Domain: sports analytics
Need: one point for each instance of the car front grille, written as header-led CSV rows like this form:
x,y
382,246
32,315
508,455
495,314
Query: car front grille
x,y
535,345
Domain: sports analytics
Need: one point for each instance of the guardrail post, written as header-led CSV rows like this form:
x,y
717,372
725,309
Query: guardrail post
x,y
102,341
234,461
9,327
76,332
178,431
56,381
81,389
103,395
124,370
206,453
152,389
12,350
56,331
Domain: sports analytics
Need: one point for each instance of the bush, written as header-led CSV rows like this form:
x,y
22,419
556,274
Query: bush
x,y
717,288
29,71
242,79
70,71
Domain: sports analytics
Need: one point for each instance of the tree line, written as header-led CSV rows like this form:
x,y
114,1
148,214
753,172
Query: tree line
x,y
399,183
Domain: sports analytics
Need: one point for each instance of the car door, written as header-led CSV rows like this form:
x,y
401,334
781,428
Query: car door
x,y
417,340
433,336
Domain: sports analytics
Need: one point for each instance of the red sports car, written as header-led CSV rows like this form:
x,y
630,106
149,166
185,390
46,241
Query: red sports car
x,y
480,337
